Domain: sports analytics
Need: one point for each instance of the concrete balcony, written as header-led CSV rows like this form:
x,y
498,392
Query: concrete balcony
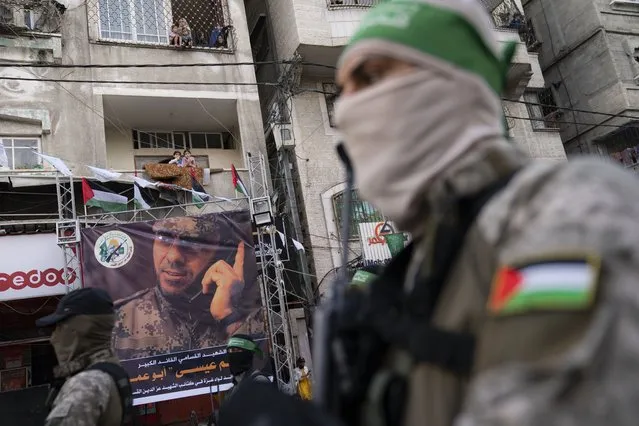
x,y
141,130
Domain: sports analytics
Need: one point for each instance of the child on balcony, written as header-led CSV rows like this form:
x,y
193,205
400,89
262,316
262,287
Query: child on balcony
x,y
188,160
185,33
177,159
174,36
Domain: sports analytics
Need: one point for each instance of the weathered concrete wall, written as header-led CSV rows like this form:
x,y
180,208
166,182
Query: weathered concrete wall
x,y
76,110
588,50
303,23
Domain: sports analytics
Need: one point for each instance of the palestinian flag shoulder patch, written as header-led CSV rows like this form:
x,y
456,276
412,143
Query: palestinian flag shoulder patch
x,y
569,284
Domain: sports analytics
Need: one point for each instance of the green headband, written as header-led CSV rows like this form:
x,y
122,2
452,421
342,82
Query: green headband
x,y
362,279
440,32
238,342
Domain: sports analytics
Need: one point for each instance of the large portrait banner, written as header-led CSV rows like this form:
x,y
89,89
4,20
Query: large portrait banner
x,y
182,286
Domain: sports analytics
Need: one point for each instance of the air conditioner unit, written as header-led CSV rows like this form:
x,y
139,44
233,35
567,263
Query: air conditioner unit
x,y
283,134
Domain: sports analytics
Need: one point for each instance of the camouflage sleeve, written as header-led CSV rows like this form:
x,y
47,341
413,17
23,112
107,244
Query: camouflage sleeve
x,y
82,400
253,324
559,345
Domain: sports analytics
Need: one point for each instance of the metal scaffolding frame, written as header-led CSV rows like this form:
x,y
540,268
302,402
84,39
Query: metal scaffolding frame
x,y
68,229
272,280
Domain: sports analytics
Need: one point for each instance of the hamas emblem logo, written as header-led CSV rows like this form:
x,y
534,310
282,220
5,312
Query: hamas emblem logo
x,y
114,249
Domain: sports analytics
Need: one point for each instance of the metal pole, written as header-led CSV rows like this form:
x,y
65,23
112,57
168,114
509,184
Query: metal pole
x,y
297,225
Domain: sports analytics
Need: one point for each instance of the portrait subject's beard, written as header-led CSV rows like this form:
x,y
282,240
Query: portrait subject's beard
x,y
190,302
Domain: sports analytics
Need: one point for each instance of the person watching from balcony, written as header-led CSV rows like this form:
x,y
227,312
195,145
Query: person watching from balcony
x,y
185,33
188,160
177,158
201,39
174,36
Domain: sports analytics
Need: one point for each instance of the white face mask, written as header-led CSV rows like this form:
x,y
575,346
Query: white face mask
x,y
402,133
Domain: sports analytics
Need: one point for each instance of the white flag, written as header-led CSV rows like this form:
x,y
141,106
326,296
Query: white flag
x,y
104,175
4,161
56,163
222,198
138,198
298,245
144,183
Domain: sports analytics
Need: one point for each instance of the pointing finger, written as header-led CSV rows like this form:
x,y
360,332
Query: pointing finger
x,y
239,260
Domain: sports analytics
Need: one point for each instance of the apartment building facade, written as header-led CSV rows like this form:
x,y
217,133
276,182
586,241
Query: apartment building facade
x,y
301,128
589,53
118,115
71,87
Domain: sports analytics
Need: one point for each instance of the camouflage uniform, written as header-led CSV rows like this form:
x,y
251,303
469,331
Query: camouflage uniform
x,y
87,398
148,324
542,367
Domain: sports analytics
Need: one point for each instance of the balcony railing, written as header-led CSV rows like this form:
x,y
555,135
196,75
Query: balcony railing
x,y
336,4
18,17
180,24
506,15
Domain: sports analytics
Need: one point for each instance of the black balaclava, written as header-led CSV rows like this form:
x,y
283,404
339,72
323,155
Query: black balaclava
x,y
241,360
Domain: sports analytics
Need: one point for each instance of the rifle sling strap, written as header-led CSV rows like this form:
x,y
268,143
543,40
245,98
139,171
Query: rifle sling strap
x,y
408,324
121,379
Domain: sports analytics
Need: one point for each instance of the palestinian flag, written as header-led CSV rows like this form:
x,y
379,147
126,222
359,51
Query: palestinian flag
x,y
237,182
141,197
199,194
97,196
547,286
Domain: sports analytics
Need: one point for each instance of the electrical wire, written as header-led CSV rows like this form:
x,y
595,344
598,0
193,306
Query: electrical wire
x,y
173,83
616,126
29,313
174,65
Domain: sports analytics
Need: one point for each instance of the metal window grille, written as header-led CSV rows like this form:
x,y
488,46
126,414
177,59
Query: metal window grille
x,y
177,23
19,16
542,109
506,14
351,3
362,212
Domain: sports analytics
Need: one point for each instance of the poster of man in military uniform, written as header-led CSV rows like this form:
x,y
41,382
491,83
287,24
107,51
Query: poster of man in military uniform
x,y
181,287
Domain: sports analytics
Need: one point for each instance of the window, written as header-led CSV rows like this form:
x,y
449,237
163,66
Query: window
x,y
330,94
29,19
20,153
206,140
362,211
143,139
260,45
134,20
151,21
542,109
